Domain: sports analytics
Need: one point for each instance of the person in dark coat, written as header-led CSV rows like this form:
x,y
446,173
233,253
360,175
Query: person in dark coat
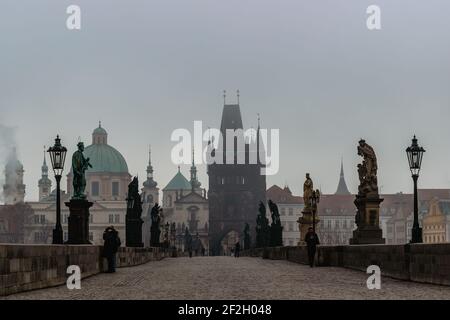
x,y
312,240
237,248
110,247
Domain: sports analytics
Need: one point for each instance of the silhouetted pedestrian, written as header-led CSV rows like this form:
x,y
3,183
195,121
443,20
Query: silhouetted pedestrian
x,y
312,240
237,249
110,247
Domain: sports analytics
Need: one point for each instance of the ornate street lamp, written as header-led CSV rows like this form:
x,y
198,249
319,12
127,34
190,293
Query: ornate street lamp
x,y
315,199
58,156
415,153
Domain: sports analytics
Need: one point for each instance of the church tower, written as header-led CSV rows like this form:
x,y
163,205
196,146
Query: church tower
x,y
235,189
13,189
342,186
194,180
149,196
150,192
45,184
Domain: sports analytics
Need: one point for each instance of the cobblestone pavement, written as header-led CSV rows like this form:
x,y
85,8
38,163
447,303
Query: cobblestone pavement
x,y
236,278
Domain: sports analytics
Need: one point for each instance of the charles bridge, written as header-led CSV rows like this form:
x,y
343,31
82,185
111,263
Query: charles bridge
x,y
414,271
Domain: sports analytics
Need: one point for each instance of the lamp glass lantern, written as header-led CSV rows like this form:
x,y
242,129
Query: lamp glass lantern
x,y
57,156
415,154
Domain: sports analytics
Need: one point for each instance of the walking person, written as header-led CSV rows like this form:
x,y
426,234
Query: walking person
x,y
312,240
237,249
110,247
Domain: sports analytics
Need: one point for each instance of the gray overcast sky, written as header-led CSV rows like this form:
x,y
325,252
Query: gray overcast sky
x,y
311,68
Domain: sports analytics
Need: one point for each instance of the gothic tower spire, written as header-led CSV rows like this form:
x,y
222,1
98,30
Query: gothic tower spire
x,y
342,186
44,184
150,183
194,181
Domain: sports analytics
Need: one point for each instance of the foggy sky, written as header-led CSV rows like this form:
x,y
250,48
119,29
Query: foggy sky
x,y
310,68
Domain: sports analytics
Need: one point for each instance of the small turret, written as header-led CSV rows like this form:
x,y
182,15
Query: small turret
x,y
45,184
194,181
13,189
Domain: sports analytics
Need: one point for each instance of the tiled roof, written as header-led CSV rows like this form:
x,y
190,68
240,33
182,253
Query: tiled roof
x,y
178,182
336,204
282,196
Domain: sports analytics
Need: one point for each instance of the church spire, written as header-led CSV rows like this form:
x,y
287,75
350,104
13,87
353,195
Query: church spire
x,y
150,167
150,183
342,186
44,167
194,181
44,184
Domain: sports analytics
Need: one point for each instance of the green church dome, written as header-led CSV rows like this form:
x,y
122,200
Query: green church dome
x,y
105,158
102,156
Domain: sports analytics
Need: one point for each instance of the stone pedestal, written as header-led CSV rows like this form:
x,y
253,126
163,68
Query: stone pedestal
x,y
78,221
304,222
368,220
134,232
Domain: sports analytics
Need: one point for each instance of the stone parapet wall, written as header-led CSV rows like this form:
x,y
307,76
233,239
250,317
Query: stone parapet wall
x,y
29,267
430,263
427,263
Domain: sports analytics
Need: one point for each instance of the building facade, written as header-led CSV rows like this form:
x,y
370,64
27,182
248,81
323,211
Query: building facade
x,y
435,222
186,205
290,208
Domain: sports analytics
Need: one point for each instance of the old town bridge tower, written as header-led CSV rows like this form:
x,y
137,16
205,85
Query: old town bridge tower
x,y
235,187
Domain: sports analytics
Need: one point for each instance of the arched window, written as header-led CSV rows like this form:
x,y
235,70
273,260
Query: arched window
x,y
169,201
150,198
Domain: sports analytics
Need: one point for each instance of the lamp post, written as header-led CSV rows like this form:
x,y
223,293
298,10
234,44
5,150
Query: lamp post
x,y
415,154
58,156
315,199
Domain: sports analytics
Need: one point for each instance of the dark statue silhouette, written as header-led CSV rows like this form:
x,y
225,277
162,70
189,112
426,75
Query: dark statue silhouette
x,y
262,227
155,231
276,230
133,216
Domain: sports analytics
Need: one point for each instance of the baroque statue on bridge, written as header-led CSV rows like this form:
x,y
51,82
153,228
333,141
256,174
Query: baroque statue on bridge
x,y
276,230
275,214
367,170
133,221
155,230
262,227
134,197
79,166
367,200
308,189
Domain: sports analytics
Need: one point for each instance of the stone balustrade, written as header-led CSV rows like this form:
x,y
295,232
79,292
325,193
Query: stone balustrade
x,y
29,267
427,263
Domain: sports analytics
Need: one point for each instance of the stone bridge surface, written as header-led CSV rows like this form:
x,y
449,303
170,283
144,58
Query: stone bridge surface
x,y
231,278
